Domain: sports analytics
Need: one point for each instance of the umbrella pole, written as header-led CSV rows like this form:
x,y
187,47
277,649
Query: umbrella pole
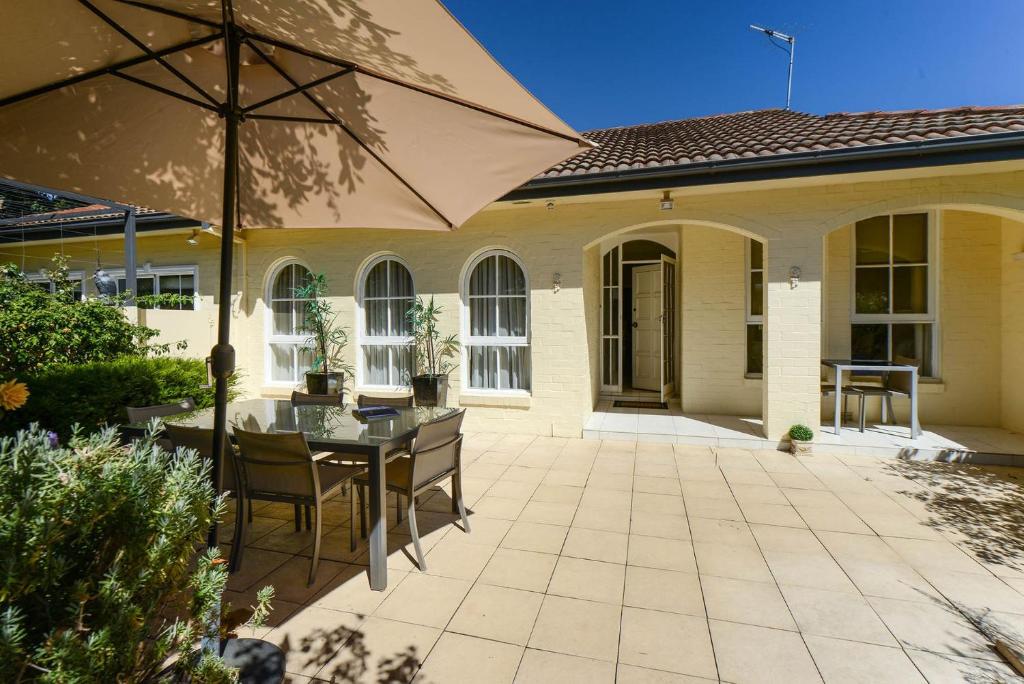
x,y
223,354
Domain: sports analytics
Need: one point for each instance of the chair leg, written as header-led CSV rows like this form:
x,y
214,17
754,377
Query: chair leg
x,y
315,562
250,510
363,512
457,497
860,410
352,518
298,518
238,540
892,412
309,523
398,508
420,560
845,410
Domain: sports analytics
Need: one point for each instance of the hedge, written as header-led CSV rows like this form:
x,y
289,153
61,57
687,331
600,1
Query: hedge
x,y
95,394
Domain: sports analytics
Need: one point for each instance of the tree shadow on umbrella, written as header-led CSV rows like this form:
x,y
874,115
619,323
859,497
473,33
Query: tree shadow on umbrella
x,y
985,506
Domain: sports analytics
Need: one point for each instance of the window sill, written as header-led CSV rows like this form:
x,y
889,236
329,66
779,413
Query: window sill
x,y
496,399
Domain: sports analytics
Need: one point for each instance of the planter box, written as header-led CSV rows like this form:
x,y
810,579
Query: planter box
x,y
800,446
430,390
326,383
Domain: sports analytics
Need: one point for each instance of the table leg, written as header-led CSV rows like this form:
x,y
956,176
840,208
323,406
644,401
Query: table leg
x,y
915,427
839,396
378,522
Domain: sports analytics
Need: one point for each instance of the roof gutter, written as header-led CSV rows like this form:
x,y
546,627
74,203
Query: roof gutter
x,y
927,153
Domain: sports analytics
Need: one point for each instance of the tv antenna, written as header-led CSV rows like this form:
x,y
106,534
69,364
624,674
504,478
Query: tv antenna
x,y
791,43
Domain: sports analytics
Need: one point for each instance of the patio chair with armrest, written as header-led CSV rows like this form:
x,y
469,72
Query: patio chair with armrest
x,y
143,414
894,383
280,467
435,456
829,388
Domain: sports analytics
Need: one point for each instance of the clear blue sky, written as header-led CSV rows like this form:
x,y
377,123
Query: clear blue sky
x,y
604,63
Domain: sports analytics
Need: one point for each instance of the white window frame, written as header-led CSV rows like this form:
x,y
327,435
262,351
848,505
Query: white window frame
x,y
931,317
497,341
159,271
271,338
750,318
362,338
73,276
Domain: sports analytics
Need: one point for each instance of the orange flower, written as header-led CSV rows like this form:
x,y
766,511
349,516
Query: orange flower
x,y
13,395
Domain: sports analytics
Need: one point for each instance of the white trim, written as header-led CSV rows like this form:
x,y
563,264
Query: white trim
x,y
362,339
269,338
483,341
931,316
750,319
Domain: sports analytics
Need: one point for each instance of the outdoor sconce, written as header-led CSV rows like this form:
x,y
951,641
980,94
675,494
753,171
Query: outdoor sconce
x,y
666,201
556,282
794,277
550,205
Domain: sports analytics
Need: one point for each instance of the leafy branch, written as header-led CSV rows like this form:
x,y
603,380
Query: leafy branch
x,y
435,355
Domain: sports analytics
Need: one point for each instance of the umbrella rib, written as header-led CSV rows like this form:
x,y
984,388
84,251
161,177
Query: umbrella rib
x,y
404,84
171,13
338,122
165,91
146,49
293,119
134,61
296,90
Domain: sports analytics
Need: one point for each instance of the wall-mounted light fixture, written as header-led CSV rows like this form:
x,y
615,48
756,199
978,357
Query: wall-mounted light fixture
x,y
556,282
193,239
794,277
550,204
667,202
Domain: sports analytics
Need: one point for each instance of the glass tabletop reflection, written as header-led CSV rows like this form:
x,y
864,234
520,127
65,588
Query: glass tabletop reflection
x,y
322,425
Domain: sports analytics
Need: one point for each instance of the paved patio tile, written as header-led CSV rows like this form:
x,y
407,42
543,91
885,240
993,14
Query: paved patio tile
x,y
658,503
587,579
289,580
350,591
597,517
665,590
631,674
933,627
528,536
664,525
577,627
750,603
519,569
499,507
772,514
934,555
497,613
455,557
548,513
665,641
312,637
890,580
848,662
836,614
738,562
662,554
563,494
811,570
938,667
657,485
729,532
609,547
793,540
720,509
543,667
757,654
424,600
460,659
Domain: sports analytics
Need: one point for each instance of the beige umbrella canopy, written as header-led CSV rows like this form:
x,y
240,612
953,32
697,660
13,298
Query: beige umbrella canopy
x,y
267,114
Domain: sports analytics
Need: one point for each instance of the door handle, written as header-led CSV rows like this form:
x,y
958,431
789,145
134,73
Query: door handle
x,y
635,324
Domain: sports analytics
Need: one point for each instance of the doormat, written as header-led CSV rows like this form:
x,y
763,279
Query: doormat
x,y
622,403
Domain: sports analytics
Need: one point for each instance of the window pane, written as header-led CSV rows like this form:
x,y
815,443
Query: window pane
x,y
870,342
512,316
282,324
482,317
872,290
375,364
912,343
305,361
611,362
511,279
400,316
282,362
873,241
757,293
401,281
514,368
755,350
377,281
756,254
403,362
481,282
377,317
910,289
283,286
483,367
910,239
188,289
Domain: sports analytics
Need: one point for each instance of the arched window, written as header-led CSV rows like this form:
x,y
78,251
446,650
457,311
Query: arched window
x,y
387,294
287,361
497,324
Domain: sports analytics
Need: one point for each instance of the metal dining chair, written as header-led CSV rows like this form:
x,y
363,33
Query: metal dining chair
x,y
396,402
280,467
201,439
435,456
894,383
829,388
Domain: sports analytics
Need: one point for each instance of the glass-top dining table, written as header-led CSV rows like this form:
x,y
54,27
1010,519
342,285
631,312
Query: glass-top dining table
x,y
328,429
839,366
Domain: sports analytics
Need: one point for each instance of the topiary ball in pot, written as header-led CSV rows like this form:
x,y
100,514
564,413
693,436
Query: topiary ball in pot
x,y
800,438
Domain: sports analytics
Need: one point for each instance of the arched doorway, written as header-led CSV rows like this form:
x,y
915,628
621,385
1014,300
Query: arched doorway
x,y
639,289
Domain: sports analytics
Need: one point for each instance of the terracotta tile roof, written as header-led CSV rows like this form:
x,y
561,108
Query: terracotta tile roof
x,y
769,132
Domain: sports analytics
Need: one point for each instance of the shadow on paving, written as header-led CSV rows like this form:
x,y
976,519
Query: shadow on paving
x,y
984,505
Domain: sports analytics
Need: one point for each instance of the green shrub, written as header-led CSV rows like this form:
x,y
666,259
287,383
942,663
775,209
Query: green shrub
x,y
95,394
99,548
39,330
801,433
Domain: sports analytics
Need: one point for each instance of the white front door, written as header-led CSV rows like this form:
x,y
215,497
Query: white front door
x,y
647,327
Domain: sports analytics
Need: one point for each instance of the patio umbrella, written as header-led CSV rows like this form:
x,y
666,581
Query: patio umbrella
x,y
267,114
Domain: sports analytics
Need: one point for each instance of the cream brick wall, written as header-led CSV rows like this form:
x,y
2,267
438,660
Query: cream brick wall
x,y
1012,301
792,217
712,264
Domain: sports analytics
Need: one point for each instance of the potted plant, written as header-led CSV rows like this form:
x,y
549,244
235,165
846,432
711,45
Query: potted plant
x,y
800,437
434,354
327,340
